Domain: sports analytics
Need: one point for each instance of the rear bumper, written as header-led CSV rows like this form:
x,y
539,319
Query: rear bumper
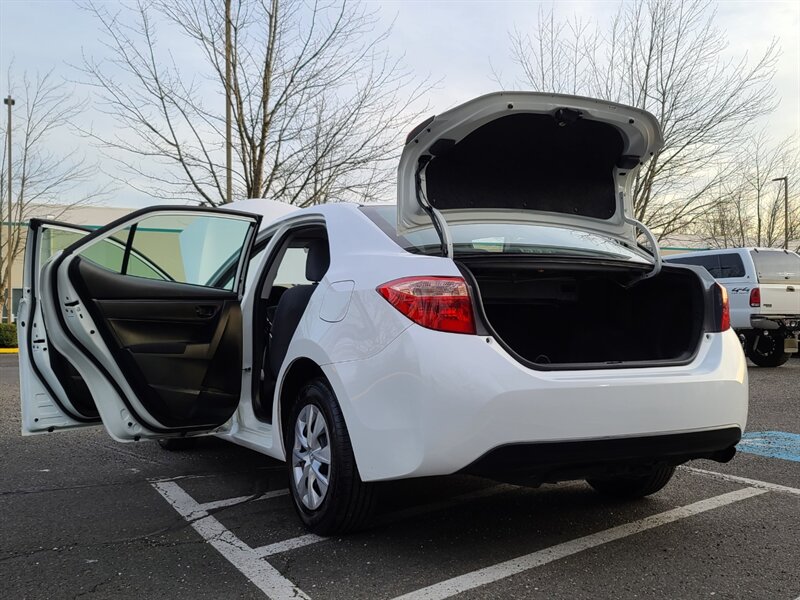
x,y
560,461
789,323
434,403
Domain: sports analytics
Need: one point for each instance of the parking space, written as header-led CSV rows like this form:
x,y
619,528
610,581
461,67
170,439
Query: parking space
x,y
83,516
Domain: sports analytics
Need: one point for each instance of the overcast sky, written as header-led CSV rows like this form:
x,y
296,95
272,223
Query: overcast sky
x,y
457,43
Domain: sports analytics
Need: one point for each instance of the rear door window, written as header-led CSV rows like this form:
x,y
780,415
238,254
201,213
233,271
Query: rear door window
x,y
730,265
182,247
720,266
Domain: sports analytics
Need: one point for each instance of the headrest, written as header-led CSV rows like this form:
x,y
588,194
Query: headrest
x,y
318,260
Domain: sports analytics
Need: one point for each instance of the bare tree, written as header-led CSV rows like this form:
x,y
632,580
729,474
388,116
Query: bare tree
x,y
318,106
41,176
750,207
668,57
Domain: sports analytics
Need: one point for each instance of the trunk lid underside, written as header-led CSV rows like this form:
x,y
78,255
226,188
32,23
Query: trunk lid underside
x,y
527,157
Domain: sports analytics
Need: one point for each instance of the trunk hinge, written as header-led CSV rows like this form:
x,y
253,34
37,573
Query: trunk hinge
x,y
437,218
651,239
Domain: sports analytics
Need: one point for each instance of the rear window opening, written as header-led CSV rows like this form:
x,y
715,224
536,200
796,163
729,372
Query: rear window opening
x,y
505,238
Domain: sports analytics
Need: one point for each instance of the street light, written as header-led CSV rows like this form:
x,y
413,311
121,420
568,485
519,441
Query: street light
x,y
9,101
785,180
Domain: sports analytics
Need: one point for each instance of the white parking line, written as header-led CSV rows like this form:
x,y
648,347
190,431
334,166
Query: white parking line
x,y
258,571
468,581
207,506
756,483
286,545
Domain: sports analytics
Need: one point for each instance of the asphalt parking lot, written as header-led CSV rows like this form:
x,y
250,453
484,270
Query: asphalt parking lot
x,y
83,516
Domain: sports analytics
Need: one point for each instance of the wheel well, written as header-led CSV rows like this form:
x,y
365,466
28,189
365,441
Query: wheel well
x,y
300,372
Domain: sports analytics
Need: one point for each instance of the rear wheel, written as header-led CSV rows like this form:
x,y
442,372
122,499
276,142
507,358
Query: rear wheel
x,y
766,349
634,486
327,491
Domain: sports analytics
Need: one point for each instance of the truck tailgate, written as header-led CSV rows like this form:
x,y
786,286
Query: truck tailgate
x,y
780,299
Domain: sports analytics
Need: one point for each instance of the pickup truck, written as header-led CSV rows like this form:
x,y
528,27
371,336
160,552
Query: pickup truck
x,y
763,285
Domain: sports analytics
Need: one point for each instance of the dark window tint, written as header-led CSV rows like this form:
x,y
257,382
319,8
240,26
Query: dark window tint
x,y
776,266
730,265
719,266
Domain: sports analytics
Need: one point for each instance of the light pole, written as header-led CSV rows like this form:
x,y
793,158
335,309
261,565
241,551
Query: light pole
x,y
785,180
9,101
228,143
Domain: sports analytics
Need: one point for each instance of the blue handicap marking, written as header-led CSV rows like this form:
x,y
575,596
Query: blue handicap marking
x,y
774,444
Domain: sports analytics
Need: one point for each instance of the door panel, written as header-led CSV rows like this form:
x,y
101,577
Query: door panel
x,y
173,346
164,342
53,394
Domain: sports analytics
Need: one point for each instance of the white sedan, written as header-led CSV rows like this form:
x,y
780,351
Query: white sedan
x,y
500,320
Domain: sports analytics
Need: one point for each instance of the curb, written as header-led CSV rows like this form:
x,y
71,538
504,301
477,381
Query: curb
x,y
9,350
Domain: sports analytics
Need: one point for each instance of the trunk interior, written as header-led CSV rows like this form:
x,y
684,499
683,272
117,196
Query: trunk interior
x,y
570,315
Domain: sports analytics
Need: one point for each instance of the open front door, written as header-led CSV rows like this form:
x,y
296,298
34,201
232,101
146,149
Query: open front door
x,y
155,330
54,395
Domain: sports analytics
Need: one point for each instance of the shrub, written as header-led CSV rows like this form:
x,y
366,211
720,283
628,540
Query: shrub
x,y
8,335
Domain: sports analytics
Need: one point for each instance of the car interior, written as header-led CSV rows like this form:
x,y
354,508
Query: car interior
x,y
285,288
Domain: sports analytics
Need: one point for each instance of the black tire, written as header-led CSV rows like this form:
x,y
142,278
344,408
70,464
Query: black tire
x,y
632,487
349,502
178,444
765,349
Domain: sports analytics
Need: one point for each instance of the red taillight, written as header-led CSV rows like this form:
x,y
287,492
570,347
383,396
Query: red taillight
x,y
725,310
440,303
755,297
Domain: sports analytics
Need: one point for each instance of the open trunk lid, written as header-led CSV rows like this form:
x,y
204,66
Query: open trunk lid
x,y
526,157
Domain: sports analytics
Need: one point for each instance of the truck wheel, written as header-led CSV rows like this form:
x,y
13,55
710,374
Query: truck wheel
x,y
327,492
632,487
765,349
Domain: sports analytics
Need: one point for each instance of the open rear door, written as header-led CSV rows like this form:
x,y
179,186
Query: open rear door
x,y
54,395
154,330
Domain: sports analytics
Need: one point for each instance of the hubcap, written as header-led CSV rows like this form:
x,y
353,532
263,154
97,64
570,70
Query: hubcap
x,y
311,457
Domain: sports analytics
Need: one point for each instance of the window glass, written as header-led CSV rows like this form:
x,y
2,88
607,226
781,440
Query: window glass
x,y
508,238
776,266
181,247
226,278
107,253
292,270
730,265
719,266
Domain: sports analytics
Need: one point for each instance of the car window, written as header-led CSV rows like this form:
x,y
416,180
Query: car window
x,y
292,269
180,247
507,238
776,266
107,253
730,265
720,266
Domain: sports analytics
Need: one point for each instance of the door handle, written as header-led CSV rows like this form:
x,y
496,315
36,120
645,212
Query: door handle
x,y
205,311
